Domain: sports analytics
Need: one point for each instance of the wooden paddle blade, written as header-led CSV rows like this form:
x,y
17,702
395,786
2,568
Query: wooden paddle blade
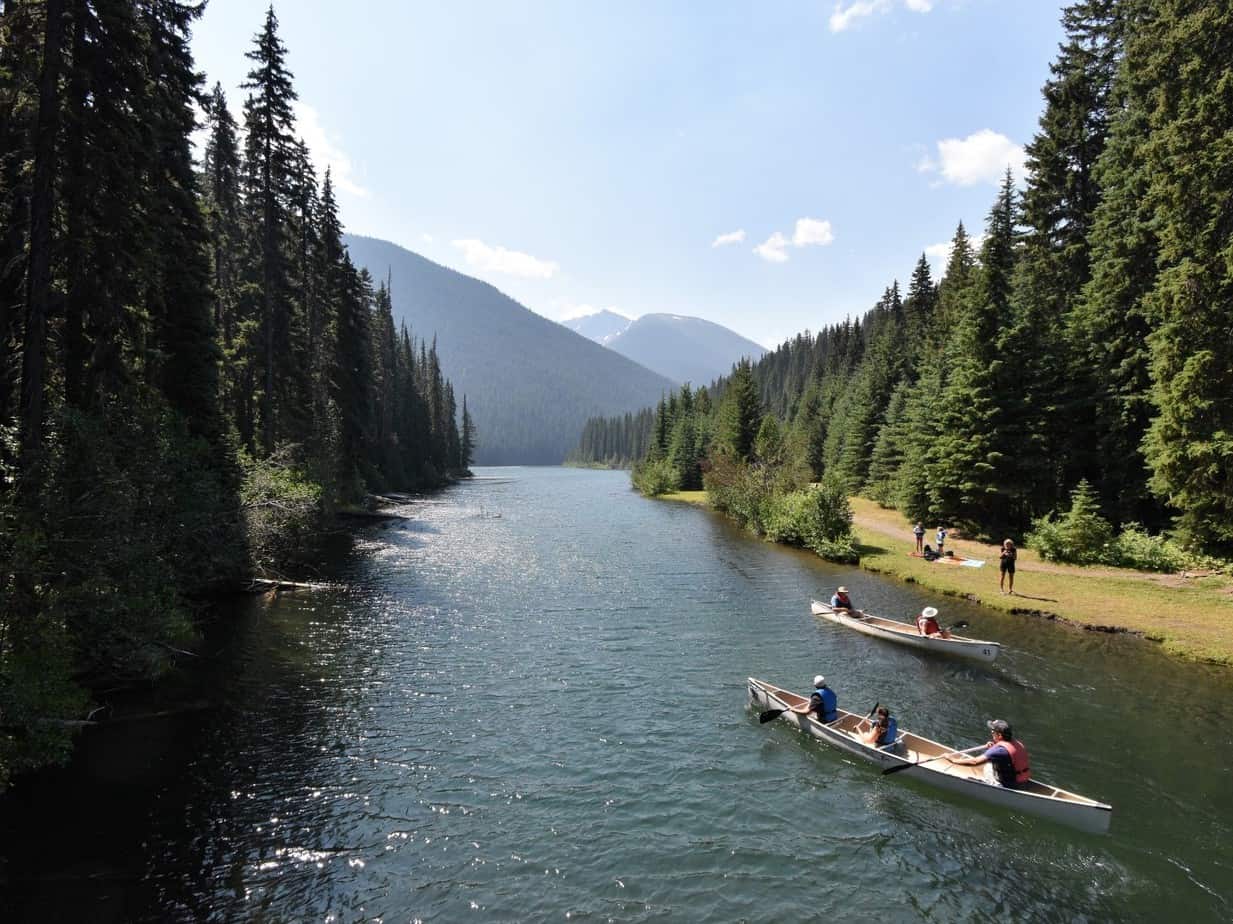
x,y
771,715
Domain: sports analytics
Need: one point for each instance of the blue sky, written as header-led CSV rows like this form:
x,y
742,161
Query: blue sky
x,y
770,166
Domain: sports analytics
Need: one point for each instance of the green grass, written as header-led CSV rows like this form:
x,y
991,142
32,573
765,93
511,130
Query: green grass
x,y
686,497
1190,617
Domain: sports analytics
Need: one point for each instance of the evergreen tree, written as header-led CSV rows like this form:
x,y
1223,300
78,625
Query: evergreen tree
x,y
740,414
1185,57
270,151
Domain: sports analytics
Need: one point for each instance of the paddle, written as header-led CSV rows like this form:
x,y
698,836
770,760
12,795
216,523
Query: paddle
x,y
772,714
961,624
889,770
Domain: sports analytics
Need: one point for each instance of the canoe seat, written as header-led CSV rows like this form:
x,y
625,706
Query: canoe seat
x,y
896,746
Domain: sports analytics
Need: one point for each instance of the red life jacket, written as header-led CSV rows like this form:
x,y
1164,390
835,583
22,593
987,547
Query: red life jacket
x,y
1018,760
844,601
928,626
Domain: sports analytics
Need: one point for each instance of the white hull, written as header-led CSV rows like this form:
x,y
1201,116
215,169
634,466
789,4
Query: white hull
x,y
1037,798
903,634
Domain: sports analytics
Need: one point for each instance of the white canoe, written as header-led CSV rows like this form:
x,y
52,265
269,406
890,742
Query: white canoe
x,y
905,634
1036,798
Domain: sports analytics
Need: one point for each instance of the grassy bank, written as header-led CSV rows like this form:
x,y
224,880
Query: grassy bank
x,y
1190,615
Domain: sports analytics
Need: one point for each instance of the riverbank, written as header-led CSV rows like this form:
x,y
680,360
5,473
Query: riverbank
x,y
1191,616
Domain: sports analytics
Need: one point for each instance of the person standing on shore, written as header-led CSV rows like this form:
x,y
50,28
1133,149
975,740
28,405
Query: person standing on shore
x,y
919,532
941,537
1008,556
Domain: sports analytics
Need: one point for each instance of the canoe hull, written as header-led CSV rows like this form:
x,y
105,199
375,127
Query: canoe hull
x,y
1064,808
903,634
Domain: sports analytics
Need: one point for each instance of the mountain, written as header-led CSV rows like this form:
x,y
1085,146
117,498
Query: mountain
x,y
600,327
530,383
684,349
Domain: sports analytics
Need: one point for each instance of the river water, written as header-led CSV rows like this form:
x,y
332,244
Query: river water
x,y
528,702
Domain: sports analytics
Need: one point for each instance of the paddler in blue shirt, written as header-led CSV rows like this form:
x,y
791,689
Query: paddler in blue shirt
x,y
823,702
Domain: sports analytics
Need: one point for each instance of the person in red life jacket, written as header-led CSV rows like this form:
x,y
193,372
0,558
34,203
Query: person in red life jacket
x,y
823,702
883,731
1005,758
842,602
927,623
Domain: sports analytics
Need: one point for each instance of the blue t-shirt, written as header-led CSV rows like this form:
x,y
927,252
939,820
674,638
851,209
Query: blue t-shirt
x,y
919,530
1003,766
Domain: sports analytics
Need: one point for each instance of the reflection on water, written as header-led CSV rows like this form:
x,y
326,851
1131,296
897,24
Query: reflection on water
x,y
528,702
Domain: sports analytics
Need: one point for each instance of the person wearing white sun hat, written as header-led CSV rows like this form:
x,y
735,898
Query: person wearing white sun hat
x,y
841,602
927,623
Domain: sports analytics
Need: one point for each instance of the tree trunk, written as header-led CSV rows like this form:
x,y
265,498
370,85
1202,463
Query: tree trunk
x,y
38,281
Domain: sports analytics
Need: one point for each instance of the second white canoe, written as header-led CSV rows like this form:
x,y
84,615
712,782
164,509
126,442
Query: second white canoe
x,y
903,633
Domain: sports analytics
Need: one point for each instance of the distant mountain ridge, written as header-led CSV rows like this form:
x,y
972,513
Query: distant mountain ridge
x,y
530,383
601,326
683,348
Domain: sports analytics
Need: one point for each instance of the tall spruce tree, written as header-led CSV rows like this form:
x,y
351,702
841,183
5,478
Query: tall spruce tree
x,y
1186,56
270,156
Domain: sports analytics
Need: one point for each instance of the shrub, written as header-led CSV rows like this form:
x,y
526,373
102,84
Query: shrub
x,y
655,478
1082,536
1136,548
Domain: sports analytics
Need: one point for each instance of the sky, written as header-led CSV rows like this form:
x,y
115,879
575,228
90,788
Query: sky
x,y
771,167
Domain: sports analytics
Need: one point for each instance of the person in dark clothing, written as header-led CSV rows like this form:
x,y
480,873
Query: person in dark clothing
x,y
1008,556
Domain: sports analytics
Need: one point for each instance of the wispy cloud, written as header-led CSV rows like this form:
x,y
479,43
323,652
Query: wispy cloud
x,y
326,151
773,249
732,237
497,259
809,232
981,157
844,17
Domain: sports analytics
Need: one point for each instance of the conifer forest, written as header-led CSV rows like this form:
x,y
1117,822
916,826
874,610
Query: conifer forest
x,y
1072,360
193,374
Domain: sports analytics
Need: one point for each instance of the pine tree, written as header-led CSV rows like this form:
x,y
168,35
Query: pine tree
x,y
467,453
740,414
1184,57
269,160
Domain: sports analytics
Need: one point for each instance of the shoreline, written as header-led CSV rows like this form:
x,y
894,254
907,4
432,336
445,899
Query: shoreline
x,y
1189,616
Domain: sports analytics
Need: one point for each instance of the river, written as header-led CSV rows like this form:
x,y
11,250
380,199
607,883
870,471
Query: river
x,y
528,702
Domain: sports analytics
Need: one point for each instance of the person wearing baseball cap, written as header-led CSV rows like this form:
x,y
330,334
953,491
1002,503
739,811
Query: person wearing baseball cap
x,y
1005,758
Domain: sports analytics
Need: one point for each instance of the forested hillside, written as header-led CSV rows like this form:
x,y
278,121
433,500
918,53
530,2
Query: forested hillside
x,y
532,383
1086,341
192,370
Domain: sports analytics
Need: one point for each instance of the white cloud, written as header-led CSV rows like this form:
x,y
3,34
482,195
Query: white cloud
x,y
732,237
981,157
846,16
809,232
843,17
325,151
496,259
812,231
773,249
